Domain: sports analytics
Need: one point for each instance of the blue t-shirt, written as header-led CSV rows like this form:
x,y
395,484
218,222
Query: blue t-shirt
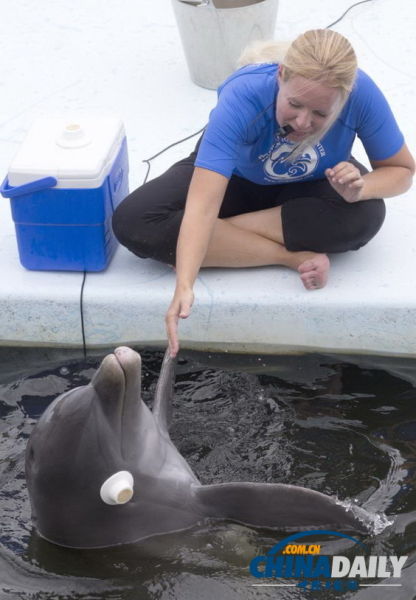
x,y
242,137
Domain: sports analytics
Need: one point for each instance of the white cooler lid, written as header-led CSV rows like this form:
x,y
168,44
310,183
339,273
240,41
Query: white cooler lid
x,y
78,151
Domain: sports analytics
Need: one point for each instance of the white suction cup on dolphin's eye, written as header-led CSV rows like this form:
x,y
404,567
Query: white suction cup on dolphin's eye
x,y
117,489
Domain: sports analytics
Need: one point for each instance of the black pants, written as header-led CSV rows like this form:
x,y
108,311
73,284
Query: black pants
x,y
314,216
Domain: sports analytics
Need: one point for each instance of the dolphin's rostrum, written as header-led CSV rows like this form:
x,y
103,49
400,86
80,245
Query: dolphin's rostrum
x,y
102,470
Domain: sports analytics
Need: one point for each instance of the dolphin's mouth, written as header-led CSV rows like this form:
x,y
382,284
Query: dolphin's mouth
x,y
117,383
130,364
127,358
119,369
119,362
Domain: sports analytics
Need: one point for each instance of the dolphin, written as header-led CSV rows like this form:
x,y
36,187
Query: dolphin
x,y
102,470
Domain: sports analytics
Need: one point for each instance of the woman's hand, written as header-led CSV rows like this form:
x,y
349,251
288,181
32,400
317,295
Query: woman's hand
x,y
180,308
347,180
205,195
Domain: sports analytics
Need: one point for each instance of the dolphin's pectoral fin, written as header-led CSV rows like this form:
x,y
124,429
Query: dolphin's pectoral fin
x,y
275,506
162,404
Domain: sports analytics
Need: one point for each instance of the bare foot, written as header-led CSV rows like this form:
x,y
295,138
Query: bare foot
x,y
314,272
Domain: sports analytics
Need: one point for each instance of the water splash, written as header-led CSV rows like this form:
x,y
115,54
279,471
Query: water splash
x,y
374,523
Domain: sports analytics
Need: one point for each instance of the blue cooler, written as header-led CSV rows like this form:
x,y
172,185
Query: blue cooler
x,y
64,184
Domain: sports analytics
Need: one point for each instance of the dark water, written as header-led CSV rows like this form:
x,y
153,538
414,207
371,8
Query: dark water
x,y
312,421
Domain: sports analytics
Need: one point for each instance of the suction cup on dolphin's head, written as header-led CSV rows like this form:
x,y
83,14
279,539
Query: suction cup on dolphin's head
x,y
117,489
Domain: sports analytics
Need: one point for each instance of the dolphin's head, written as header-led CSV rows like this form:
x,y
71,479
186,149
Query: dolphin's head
x,y
95,459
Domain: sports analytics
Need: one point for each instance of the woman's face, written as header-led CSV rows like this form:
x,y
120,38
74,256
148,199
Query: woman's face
x,y
305,105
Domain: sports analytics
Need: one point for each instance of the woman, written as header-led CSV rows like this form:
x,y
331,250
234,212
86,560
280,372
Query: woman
x,y
272,181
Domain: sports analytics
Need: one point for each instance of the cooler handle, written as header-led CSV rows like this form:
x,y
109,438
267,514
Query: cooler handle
x,y
9,191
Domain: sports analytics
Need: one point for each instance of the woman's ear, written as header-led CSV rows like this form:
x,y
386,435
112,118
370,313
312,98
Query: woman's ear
x,y
280,73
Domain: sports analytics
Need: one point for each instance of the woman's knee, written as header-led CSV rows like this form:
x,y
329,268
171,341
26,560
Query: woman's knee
x,y
128,221
324,225
147,230
363,223
147,221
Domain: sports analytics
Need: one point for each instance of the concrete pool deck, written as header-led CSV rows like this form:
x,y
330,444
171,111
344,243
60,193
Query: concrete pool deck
x,y
130,62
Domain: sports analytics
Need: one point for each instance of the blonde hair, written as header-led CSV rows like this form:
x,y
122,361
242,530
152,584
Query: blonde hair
x,y
324,56
261,51
319,55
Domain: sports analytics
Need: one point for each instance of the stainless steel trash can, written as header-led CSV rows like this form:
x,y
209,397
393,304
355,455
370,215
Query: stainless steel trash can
x,y
215,32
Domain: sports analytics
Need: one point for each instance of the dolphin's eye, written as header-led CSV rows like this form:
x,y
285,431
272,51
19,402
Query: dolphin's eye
x,y
117,489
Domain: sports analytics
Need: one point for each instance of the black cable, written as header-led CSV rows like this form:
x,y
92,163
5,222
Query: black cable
x,y
346,12
147,160
81,305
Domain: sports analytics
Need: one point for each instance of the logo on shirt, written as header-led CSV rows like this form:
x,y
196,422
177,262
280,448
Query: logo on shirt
x,y
277,168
